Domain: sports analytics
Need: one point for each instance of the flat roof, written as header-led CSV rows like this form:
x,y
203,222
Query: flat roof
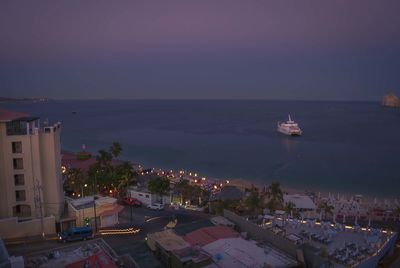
x,y
100,260
219,220
9,115
194,254
87,201
300,201
206,235
238,252
168,240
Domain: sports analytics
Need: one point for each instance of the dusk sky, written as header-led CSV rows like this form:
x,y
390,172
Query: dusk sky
x,y
317,50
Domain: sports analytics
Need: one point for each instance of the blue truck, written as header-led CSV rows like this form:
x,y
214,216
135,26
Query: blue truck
x,y
76,233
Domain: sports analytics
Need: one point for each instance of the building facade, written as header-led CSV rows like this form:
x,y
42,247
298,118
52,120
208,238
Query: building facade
x,y
147,198
107,210
30,168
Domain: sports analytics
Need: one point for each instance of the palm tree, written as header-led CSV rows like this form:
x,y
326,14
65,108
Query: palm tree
x,y
159,186
184,190
125,177
289,208
104,157
115,149
275,195
328,209
75,180
254,202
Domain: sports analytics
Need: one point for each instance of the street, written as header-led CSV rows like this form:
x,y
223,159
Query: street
x,y
148,221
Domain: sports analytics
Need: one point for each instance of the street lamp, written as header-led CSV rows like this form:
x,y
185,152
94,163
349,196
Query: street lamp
x,y
82,189
94,201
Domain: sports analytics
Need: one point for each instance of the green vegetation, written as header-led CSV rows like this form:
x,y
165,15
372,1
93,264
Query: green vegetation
x,y
159,186
275,195
104,175
255,202
192,193
327,209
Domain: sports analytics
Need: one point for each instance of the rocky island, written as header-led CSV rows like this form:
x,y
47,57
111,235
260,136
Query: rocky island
x,y
391,100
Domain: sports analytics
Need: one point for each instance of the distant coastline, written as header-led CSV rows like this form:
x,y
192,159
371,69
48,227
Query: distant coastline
x,y
16,100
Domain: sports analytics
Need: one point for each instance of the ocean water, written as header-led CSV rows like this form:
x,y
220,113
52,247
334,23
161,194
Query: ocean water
x,y
345,146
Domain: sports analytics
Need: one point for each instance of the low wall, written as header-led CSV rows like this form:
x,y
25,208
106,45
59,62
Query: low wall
x,y
11,228
259,233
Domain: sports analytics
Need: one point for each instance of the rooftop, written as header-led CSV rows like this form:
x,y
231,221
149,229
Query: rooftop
x,y
99,260
168,240
219,220
183,229
193,254
9,115
94,252
206,235
237,252
71,160
300,201
87,202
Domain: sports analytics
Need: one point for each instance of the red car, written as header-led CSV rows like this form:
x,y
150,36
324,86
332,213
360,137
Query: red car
x,y
130,201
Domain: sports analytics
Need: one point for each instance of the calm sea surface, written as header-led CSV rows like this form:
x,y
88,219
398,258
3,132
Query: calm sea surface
x,y
346,146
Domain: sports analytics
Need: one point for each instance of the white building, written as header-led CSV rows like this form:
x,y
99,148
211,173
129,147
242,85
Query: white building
x,y
302,203
147,198
107,210
30,175
238,252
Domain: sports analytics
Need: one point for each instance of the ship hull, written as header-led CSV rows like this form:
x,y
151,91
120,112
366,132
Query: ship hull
x,y
289,133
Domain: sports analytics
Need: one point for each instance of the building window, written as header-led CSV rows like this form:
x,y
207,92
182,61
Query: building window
x,y
16,147
16,128
20,195
18,163
22,211
19,179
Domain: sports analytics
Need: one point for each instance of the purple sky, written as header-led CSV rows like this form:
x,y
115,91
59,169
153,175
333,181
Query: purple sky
x,y
335,50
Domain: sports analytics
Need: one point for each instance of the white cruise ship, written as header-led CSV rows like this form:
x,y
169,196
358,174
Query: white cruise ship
x,y
289,128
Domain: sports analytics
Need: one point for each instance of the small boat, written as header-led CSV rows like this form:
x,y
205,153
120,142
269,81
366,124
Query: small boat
x,y
289,127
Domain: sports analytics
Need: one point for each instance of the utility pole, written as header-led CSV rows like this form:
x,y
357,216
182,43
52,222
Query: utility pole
x,y
94,202
131,214
38,203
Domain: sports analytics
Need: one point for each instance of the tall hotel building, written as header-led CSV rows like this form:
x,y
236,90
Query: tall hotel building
x,y
30,168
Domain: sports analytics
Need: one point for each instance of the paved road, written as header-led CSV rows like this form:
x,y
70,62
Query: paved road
x,y
148,221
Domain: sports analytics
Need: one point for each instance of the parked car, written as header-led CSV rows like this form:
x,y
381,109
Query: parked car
x,y
156,206
76,233
130,201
